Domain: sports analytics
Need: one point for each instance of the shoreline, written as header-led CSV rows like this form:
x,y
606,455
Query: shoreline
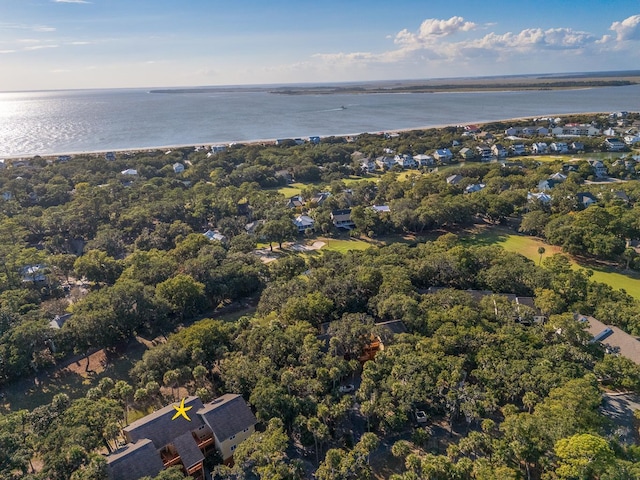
x,y
273,140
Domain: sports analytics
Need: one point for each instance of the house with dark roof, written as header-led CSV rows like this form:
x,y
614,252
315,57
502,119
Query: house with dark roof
x,y
135,460
585,199
159,440
230,420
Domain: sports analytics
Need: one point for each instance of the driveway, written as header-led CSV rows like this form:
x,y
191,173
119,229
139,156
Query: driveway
x,y
619,408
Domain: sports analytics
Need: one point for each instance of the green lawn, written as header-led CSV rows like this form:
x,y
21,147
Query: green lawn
x,y
528,246
297,187
344,245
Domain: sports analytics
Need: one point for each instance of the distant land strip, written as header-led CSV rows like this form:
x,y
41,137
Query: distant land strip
x,y
454,87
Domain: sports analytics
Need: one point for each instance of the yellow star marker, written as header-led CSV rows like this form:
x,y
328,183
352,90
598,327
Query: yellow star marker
x,y
181,411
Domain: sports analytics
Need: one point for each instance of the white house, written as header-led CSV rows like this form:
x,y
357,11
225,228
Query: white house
x,y
539,148
129,171
631,139
304,223
381,208
178,167
599,169
539,197
475,187
498,150
424,160
405,161
368,165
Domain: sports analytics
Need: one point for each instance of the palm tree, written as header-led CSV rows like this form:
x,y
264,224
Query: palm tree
x,y
541,251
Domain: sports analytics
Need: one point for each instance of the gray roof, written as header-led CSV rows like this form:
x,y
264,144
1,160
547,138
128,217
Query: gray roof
x,y
188,450
160,429
227,415
135,461
617,340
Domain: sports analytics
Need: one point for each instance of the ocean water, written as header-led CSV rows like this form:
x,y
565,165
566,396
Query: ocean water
x,y
48,123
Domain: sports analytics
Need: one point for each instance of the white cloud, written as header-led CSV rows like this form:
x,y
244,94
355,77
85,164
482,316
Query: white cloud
x,y
627,29
79,43
43,28
431,30
40,47
70,1
2,52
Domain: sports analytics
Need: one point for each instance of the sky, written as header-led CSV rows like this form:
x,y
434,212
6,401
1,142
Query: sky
x,y
69,44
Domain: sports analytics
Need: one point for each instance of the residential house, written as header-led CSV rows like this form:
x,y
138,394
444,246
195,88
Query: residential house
x,y
577,146
443,155
405,161
319,198
517,149
110,156
424,160
558,177
484,136
610,132
36,274
467,154
129,171
585,199
559,147
484,152
178,167
542,131
614,144
218,148
159,440
575,130
472,128
599,169
381,208
64,158
295,202
620,195
614,340
367,165
385,162
498,150
59,320
314,139
304,223
454,179
513,131
529,131
539,148
474,187
342,219
215,235
631,139
541,197
547,184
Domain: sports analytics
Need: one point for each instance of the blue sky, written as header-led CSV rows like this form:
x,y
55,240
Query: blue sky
x,y
56,44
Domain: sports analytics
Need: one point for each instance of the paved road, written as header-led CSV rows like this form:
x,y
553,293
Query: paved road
x,y
619,408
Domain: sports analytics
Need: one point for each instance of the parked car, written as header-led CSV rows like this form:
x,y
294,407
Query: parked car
x,y
346,388
421,417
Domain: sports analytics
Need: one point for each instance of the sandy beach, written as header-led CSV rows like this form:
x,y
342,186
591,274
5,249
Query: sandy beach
x,y
268,141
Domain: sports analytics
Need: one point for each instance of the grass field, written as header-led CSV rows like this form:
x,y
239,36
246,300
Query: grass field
x,y
528,246
297,187
344,245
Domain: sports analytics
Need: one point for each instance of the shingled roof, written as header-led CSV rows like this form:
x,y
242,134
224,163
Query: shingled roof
x,y
227,416
160,429
190,454
135,461
614,339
